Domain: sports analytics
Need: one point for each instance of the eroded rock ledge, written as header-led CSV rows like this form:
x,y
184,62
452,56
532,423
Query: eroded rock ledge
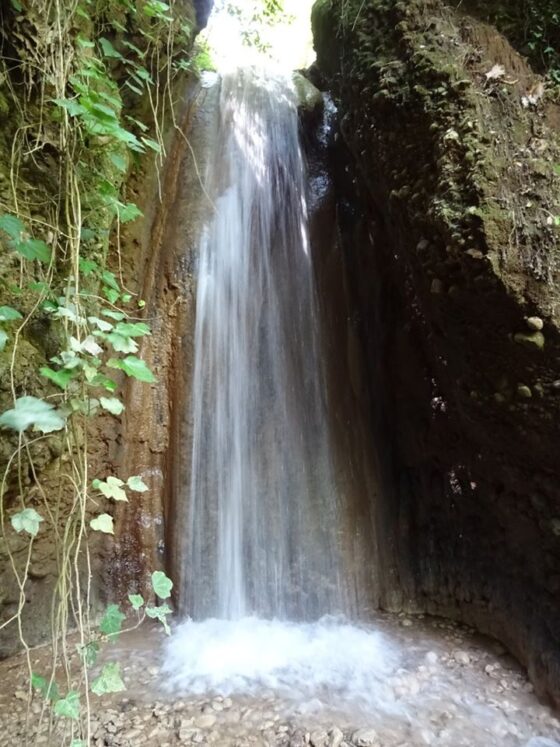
x,y
454,258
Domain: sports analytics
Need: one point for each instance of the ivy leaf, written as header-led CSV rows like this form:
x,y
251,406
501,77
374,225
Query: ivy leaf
x,y
111,488
129,329
136,600
137,484
128,212
111,295
152,144
87,266
9,314
119,162
135,367
160,613
161,584
116,315
109,50
100,323
34,249
60,378
12,226
68,707
32,411
109,681
49,691
3,340
102,523
112,404
112,620
72,106
110,279
122,344
27,520
89,652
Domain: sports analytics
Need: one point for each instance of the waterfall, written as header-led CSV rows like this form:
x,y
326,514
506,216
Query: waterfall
x,y
263,530
271,573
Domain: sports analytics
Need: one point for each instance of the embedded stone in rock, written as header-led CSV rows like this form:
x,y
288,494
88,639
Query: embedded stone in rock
x,y
524,391
309,99
365,738
535,323
534,340
542,742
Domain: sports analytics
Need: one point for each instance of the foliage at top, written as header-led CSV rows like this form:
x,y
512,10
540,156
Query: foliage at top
x,y
533,26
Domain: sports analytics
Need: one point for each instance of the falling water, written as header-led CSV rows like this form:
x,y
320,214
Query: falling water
x,y
263,514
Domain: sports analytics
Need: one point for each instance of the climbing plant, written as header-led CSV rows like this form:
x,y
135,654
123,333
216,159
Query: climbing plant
x,y
88,87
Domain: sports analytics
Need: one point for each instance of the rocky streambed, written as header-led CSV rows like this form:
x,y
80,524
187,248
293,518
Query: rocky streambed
x,y
449,688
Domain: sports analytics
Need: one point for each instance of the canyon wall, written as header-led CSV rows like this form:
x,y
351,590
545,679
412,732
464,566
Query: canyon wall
x,y
447,197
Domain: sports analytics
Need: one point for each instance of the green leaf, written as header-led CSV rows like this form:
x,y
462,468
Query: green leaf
x,y
136,600
27,520
88,266
72,106
104,381
128,212
121,344
68,707
111,295
49,691
133,366
112,620
100,323
60,378
161,584
119,162
3,340
118,316
112,405
109,50
153,144
34,249
89,653
137,484
102,523
111,488
160,613
8,314
12,226
139,329
109,681
110,279
32,411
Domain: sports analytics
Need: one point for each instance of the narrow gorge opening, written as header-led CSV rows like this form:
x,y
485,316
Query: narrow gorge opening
x,y
280,374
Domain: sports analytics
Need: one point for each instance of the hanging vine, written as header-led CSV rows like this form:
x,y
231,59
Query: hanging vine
x,y
74,78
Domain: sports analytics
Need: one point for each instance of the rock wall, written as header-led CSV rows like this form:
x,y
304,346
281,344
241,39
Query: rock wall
x,y
447,194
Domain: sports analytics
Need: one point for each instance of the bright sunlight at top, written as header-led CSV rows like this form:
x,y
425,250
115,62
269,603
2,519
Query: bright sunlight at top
x,y
260,32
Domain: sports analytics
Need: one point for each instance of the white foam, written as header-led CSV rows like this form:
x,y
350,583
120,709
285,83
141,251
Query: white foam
x,y
329,660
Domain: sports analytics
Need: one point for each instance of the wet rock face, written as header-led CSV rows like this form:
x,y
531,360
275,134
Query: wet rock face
x,y
444,206
203,9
